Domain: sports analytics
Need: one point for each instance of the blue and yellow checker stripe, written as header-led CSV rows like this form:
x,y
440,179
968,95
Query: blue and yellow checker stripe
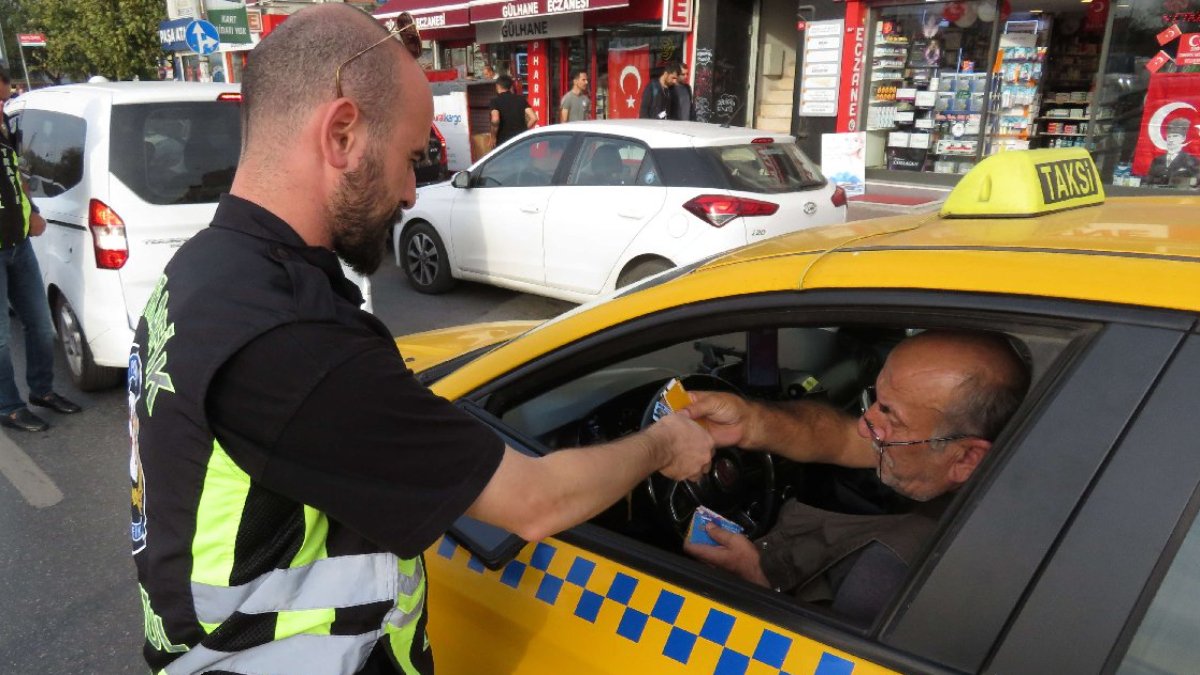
x,y
557,606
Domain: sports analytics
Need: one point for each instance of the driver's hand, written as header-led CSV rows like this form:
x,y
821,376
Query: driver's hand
x,y
735,554
687,447
727,416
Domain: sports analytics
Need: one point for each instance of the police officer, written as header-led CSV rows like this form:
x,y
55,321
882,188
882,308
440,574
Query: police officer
x,y
21,285
287,469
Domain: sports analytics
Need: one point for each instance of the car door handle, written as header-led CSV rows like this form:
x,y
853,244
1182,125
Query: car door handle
x,y
531,208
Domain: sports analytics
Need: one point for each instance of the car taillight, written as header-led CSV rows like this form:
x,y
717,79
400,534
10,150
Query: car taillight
x,y
230,96
839,196
442,141
108,236
716,210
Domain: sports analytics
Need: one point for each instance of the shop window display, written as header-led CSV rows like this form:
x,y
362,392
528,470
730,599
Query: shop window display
x,y
927,87
1151,88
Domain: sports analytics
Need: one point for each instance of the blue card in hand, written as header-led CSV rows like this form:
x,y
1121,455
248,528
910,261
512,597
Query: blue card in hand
x,y
701,518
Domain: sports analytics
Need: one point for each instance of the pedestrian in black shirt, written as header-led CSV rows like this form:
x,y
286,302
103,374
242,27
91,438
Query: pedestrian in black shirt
x,y
657,101
287,469
511,113
681,93
21,285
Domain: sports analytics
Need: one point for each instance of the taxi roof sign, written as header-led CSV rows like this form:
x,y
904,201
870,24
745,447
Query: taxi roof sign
x,y
1024,183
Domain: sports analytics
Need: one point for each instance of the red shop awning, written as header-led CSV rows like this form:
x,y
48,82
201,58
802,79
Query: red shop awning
x,y
498,10
430,17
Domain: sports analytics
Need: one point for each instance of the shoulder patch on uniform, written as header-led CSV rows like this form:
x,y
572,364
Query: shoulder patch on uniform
x,y
159,330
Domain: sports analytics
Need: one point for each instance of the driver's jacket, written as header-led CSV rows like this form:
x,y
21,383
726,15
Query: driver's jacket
x,y
807,542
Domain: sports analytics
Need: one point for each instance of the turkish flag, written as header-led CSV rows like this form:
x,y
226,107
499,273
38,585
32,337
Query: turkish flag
x,y
1169,34
1189,50
1096,16
628,73
1170,97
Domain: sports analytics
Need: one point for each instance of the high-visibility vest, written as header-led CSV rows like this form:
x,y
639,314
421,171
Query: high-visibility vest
x,y
235,577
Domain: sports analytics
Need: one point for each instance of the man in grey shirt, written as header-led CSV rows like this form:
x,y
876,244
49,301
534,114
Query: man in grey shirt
x,y
574,106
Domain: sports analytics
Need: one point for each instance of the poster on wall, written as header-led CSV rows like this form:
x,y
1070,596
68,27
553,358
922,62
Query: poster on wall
x,y
628,73
450,118
1168,147
822,47
843,160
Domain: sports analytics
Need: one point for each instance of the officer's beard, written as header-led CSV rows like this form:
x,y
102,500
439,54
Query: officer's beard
x,y
361,221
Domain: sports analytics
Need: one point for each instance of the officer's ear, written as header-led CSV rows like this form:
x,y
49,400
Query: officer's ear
x,y
341,133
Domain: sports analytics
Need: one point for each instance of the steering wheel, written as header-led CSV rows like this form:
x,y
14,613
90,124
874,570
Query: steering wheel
x,y
740,485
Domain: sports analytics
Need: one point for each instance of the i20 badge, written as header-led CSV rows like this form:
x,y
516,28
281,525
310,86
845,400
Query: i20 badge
x,y
810,208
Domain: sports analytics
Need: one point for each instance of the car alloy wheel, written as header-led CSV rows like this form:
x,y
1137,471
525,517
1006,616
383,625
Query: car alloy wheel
x,y
425,260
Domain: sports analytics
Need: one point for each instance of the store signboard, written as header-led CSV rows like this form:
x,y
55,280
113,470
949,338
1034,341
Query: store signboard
x,y
536,28
852,62
429,15
230,20
538,84
172,35
450,118
819,86
254,19
491,10
678,15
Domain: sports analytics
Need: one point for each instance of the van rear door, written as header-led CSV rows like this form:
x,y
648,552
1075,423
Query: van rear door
x,y
170,161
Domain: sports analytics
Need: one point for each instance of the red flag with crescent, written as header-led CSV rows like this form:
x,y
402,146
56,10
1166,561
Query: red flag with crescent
x,y
628,73
1170,120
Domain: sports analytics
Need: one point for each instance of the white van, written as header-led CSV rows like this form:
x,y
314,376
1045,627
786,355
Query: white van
x,y
124,173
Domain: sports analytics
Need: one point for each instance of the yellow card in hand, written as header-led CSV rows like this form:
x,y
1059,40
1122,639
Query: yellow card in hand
x,y
675,396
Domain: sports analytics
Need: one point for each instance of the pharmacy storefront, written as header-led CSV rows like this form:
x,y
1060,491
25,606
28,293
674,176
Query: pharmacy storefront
x,y
937,86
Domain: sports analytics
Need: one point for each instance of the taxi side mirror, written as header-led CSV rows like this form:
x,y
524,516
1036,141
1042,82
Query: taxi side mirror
x,y
462,180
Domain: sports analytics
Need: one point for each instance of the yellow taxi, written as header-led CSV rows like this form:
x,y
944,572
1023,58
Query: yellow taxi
x,y
1074,549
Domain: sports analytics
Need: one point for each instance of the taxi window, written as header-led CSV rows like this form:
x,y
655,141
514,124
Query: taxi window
x,y
1165,641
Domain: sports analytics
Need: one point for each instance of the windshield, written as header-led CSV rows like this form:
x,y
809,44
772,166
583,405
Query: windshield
x,y
767,167
181,152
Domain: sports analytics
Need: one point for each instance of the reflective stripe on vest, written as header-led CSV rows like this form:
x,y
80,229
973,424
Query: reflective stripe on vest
x,y
303,597
321,585
296,654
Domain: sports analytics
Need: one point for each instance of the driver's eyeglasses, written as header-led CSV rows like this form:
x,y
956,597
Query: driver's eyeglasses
x,y
868,400
406,33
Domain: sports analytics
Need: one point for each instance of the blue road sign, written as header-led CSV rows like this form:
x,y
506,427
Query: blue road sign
x,y
202,37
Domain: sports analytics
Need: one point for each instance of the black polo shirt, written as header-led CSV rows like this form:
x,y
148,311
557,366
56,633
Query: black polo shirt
x,y
327,414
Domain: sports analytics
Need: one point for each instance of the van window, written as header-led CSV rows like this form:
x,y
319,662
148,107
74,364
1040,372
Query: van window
x,y
51,148
176,153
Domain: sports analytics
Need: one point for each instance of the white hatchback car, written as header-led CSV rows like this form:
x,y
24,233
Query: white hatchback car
x,y
572,211
124,173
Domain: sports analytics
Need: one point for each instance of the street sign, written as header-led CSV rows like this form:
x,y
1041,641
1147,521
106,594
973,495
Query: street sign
x,y
31,39
202,37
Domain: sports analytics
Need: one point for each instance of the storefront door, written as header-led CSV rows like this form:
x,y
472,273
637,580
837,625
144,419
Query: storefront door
x,y
722,68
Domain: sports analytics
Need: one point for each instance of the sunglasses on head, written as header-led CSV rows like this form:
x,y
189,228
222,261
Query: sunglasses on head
x,y
406,33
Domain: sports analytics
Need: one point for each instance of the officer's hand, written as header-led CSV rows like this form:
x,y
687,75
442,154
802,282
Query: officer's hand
x,y
728,417
735,553
687,448
37,224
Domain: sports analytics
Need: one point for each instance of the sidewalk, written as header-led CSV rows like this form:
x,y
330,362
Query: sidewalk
x,y
893,199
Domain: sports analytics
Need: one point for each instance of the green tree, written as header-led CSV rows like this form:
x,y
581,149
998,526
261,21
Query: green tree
x,y
114,38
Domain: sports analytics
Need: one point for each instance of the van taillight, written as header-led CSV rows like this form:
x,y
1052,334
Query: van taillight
x,y
716,210
108,236
839,196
